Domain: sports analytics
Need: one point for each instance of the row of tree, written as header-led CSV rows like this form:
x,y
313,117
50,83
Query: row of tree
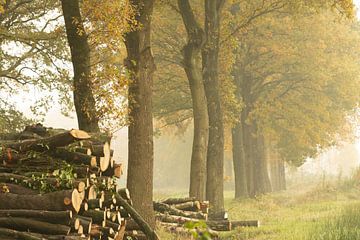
x,y
263,73
285,84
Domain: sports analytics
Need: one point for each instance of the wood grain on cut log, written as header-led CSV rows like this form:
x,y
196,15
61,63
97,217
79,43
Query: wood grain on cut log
x,y
115,171
61,217
83,150
163,208
59,140
55,201
85,222
26,224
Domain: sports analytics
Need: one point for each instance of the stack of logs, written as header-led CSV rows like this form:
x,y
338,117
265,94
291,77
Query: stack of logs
x,y
173,213
57,184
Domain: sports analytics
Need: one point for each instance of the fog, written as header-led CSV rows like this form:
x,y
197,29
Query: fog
x,y
172,154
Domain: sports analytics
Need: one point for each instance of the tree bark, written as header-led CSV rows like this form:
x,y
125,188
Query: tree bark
x,y
55,201
141,65
144,226
26,224
263,184
249,159
192,62
80,55
163,208
215,150
60,217
241,189
44,144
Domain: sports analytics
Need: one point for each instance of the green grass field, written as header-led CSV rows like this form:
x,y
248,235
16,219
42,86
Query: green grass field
x,y
316,212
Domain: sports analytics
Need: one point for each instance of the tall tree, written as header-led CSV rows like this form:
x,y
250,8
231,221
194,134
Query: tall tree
x,y
192,65
288,100
141,66
80,55
215,152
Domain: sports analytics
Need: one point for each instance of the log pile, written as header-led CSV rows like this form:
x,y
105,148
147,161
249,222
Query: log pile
x,y
57,184
174,213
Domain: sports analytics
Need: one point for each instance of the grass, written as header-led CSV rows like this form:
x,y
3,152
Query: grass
x,y
323,212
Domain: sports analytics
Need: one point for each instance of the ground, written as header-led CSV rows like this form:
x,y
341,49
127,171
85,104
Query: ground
x,y
326,210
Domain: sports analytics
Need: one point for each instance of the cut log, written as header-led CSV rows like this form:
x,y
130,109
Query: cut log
x,y
188,206
204,207
222,215
165,208
120,234
85,222
26,224
31,183
74,157
10,156
115,171
83,150
98,231
13,234
124,193
59,140
219,225
55,201
174,219
97,216
60,217
115,226
171,201
131,225
135,235
247,223
144,226
16,189
94,203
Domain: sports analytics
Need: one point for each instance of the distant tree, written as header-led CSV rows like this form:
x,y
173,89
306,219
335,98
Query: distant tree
x,y
287,81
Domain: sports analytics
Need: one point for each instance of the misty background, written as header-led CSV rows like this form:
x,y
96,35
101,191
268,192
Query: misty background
x,y
172,152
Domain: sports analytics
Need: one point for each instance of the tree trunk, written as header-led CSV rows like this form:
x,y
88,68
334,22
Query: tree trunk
x,y
282,178
262,180
192,58
80,55
248,150
215,150
141,65
241,190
